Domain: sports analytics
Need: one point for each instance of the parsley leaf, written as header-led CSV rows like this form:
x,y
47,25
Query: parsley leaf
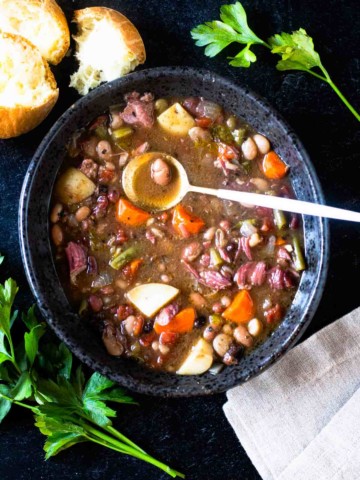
x,y
217,35
296,49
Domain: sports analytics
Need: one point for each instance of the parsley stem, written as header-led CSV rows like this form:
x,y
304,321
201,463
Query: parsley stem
x,y
339,94
122,437
21,404
114,444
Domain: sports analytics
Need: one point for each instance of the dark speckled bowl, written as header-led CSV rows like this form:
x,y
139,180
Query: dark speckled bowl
x,y
38,261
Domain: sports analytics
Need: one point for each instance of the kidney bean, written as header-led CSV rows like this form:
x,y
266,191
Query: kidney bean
x,y
57,235
147,339
209,334
82,213
167,338
120,237
218,308
95,303
124,311
197,300
111,341
242,335
190,104
113,195
101,206
56,212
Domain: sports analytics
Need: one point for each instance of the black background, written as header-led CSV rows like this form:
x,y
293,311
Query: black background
x,y
193,435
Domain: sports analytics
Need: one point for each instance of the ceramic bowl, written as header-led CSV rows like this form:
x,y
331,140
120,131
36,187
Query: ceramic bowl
x,y
37,255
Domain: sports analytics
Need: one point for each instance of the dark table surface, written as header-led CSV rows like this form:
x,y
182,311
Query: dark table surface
x,y
193,435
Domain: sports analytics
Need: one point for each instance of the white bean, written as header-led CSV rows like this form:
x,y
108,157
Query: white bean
x,y
222,343
262,143
225,301
255,327
260,183
210,233
249,149
198,134
155,345
129,324
164,349
254,240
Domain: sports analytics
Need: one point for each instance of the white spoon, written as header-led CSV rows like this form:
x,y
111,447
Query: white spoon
x,y
180,186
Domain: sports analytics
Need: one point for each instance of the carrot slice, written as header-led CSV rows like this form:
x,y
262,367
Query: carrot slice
x,y
273,167
134,265
280,241
241,309
184,223
127,213
181,323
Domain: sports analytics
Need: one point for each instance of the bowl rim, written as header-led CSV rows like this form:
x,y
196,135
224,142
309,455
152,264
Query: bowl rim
x,y
40,296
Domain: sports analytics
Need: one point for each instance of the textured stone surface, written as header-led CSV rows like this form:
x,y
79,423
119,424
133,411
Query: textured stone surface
x,y
192,434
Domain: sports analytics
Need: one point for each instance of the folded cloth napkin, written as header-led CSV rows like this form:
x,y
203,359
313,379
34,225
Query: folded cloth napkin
x,y
300,420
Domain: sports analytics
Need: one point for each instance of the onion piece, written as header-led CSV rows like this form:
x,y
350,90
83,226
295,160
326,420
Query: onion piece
x,y
247,229
102,280
270,247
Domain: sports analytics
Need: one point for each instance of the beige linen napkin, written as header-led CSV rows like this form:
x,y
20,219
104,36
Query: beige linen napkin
x,y
300,420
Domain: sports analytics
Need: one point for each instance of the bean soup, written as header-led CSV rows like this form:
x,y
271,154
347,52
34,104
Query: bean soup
x,y
192,287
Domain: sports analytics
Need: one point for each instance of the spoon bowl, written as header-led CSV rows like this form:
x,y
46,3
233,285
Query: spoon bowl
x,y
158,198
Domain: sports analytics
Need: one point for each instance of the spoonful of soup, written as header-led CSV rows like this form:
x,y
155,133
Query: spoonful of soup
x,y
156,181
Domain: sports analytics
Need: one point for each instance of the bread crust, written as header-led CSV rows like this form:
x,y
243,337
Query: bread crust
x,y
130,33
52,9
19,119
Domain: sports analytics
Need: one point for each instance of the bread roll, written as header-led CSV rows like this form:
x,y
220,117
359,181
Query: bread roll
x,y
108,47
27,86
42,22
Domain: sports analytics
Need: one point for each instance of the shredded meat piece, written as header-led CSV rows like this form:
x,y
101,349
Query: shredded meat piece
x,y
280,279
167,314
245,247
215,280
139,110
77,259
274,314
250,274
89,168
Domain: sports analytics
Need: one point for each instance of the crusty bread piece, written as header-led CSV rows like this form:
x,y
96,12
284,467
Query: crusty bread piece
x,y
42,22
27,86
108,47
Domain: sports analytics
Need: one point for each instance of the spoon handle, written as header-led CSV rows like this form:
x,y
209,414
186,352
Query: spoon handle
x,y
280,203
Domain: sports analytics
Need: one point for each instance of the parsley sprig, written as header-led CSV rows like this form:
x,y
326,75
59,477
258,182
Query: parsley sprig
x,y
296,50
41,377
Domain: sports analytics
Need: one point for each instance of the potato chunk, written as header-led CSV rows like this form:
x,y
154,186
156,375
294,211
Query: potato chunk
x,y
149,298
199,359
73,186
176,120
